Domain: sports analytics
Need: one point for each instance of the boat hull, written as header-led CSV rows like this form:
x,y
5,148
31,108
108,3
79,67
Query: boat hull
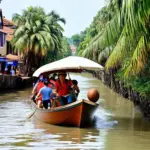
x,y
77,114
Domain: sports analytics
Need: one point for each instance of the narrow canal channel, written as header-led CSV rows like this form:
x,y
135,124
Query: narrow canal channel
x,y
118,125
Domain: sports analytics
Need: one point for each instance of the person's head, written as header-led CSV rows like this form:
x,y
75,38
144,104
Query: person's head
x,y
74,82
41,78
45,82
62,75
53,77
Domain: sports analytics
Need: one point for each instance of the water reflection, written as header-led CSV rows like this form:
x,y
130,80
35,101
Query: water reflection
x,y
64,137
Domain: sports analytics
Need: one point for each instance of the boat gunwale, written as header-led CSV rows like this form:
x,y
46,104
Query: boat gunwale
x,y
66,107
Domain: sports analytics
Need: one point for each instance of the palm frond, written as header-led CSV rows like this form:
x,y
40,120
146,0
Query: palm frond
x,y
139,58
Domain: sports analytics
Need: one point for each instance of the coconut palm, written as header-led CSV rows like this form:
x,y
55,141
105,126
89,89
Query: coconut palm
x,y
134,38
37,34
107,36
127,33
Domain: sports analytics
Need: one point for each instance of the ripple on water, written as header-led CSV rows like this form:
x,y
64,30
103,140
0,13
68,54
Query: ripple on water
x,y
115,127
18,132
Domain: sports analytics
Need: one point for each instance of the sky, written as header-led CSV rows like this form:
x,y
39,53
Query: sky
x,y
78,13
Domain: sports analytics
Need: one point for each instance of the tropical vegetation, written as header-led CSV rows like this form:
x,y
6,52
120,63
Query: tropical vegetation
x,y
38,36
65,51
119,38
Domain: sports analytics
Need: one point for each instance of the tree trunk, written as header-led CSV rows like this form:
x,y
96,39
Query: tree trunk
x,y
29,59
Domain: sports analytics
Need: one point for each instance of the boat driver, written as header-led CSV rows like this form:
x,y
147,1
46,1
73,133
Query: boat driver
x,y
62,86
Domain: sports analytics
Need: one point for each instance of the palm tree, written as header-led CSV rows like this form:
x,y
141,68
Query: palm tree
x,y
127,34
53,20
37,34
108,33
56,17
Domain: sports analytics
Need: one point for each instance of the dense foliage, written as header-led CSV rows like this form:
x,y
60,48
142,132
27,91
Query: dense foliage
x,y
118,38
38,36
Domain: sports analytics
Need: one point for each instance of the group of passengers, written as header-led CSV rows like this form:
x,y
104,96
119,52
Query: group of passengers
x,y
51,92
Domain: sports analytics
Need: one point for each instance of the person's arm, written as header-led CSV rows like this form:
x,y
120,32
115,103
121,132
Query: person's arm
x,y
77,89
70,83
33,91
52,96
56,87
38,94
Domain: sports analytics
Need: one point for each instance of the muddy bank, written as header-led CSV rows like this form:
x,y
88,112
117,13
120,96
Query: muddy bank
x,y
108,78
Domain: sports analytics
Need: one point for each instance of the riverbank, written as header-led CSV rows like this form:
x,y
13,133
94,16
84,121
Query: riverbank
x,y
108,78
9,83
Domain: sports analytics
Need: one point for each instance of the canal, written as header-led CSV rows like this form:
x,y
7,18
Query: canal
x,y
118,124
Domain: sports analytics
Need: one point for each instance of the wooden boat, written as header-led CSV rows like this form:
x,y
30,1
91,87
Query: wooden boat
x,y
78,114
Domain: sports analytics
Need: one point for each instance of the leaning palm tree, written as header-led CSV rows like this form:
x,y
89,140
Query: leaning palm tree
x,y
134,39
128,34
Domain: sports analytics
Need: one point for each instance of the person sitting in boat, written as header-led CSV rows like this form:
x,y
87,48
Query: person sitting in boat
x,y
45,92
36,90
62,86
50,84
52,79
75,89
41,79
